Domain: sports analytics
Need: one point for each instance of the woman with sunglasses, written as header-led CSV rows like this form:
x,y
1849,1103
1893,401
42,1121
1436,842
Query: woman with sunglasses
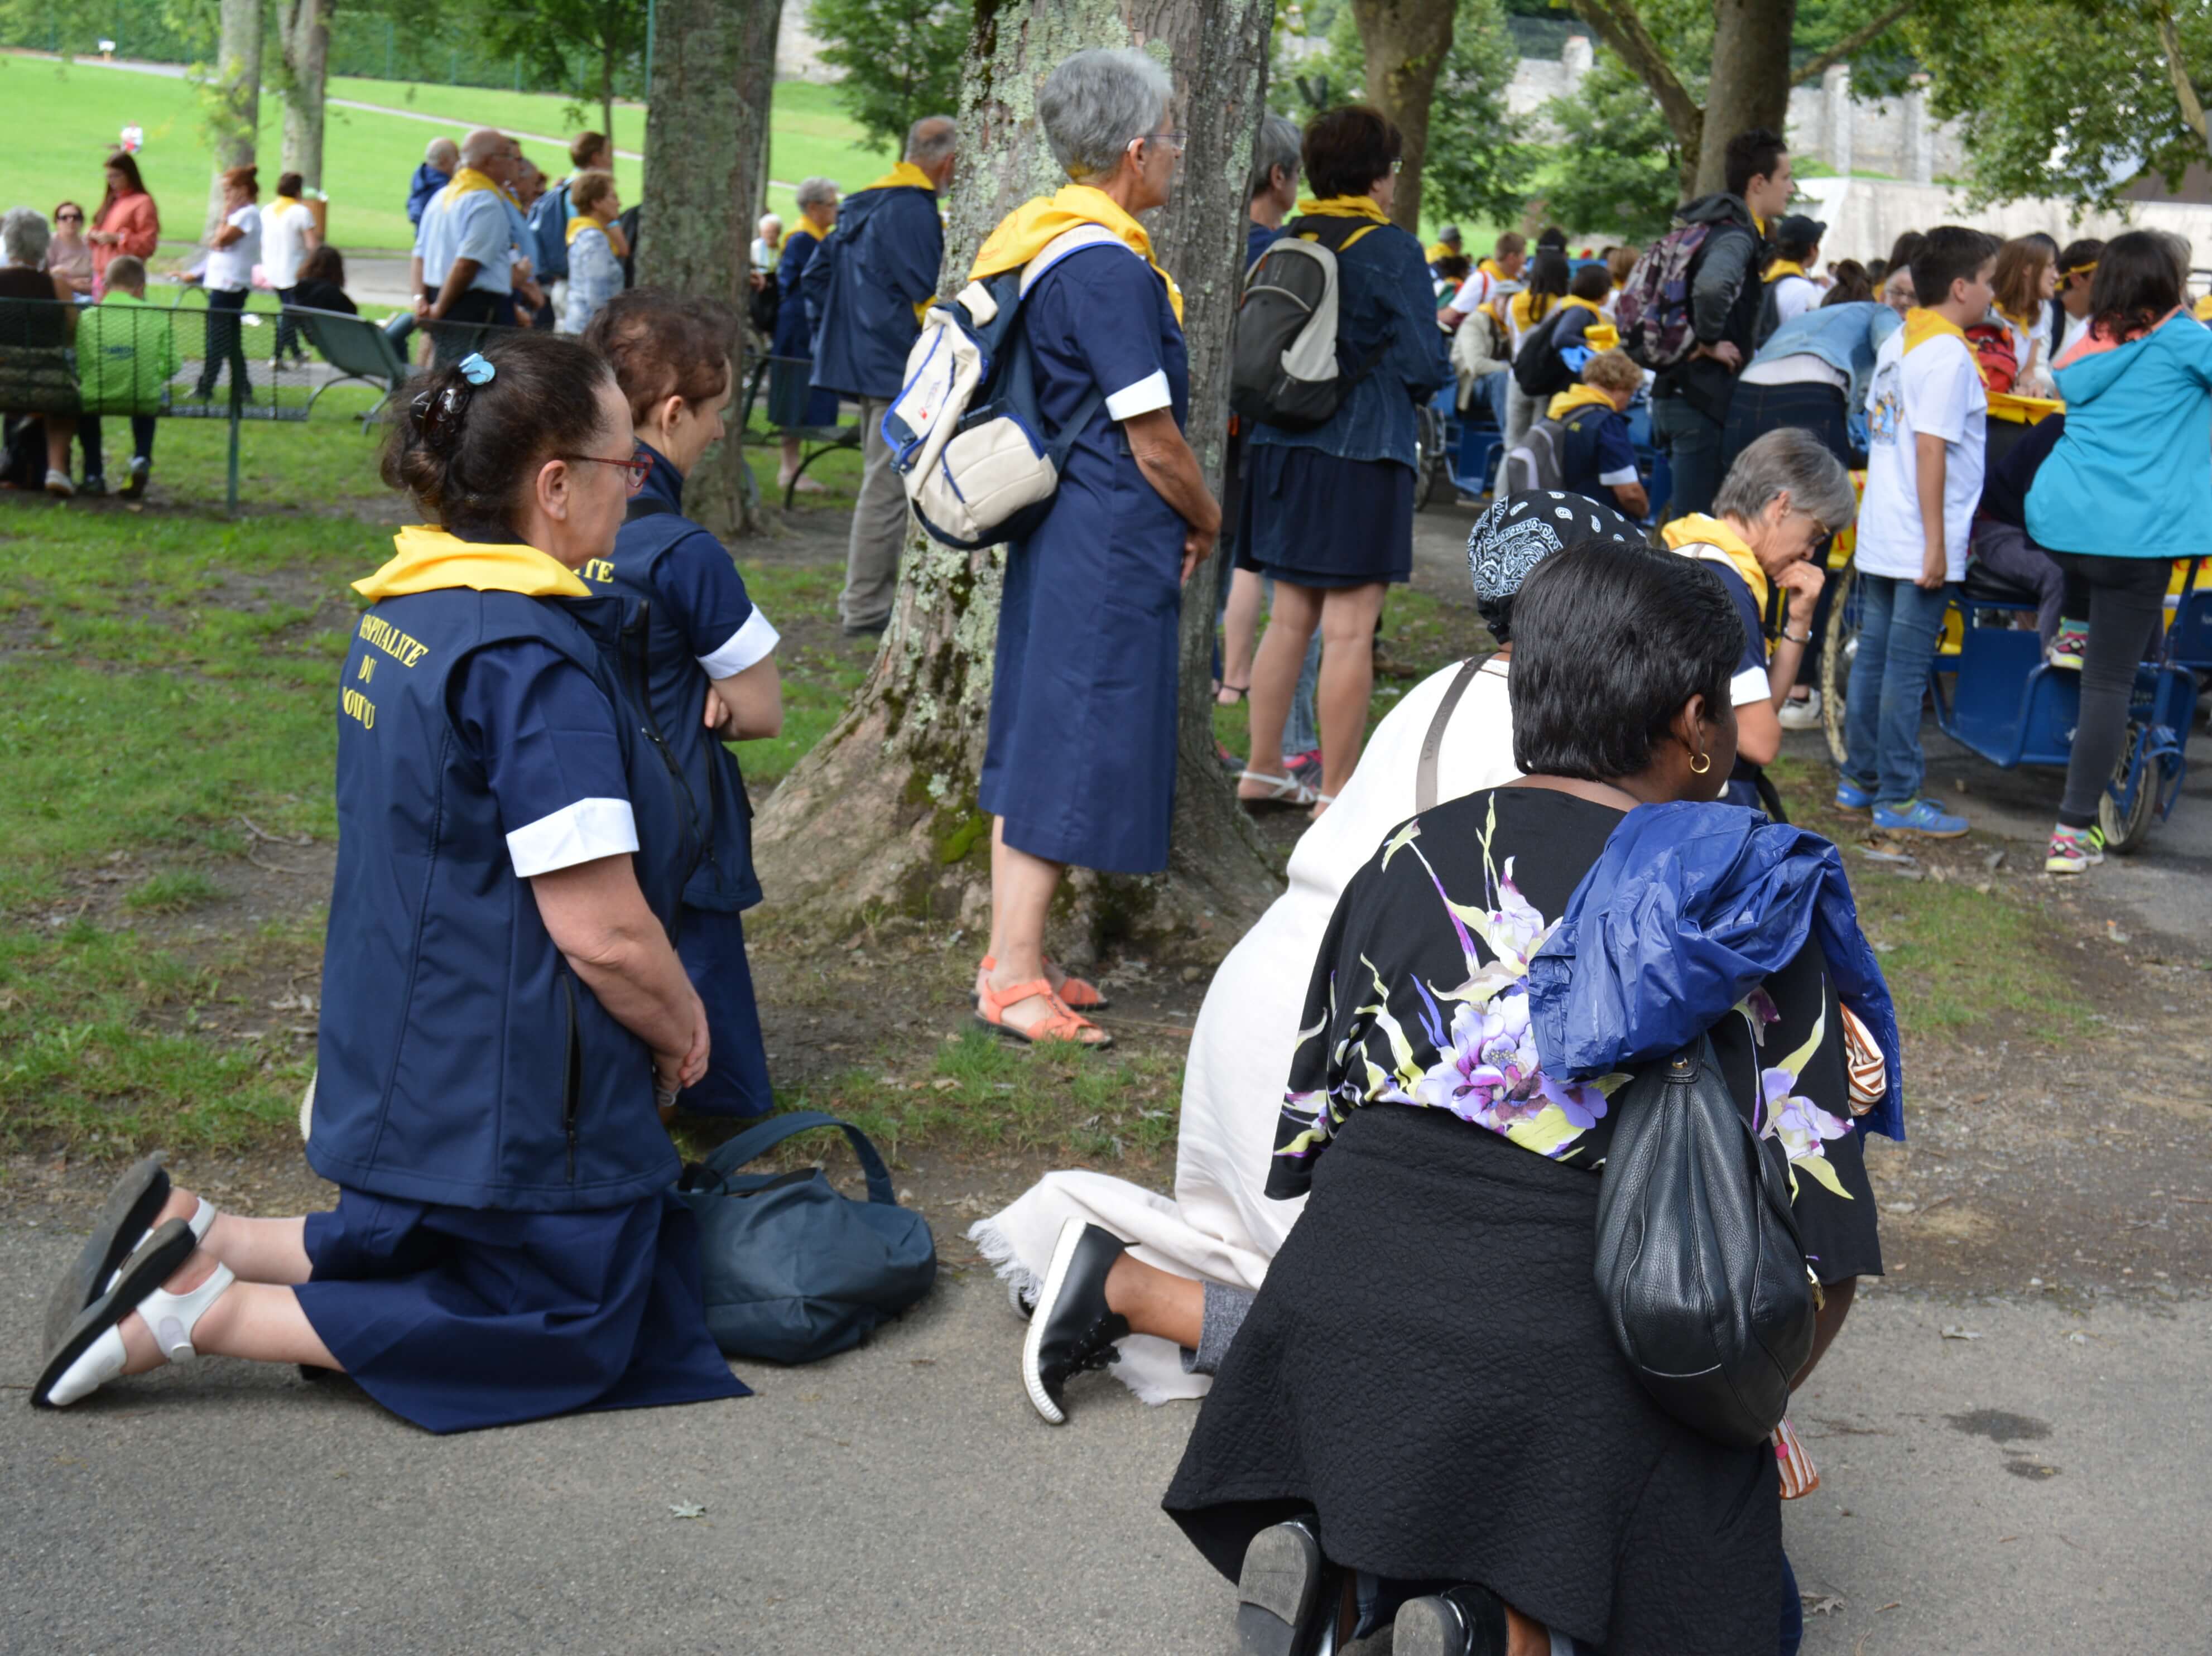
x,y
501,1001
699,658
69,255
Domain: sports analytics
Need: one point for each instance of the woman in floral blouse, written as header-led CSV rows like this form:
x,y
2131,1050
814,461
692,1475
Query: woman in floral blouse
x,y
1426,1386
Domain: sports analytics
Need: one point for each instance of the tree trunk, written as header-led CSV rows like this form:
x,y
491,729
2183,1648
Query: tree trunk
x,y
897,775
1621,26
306,34
1750,84
234,97
607,88
1405,42
704,132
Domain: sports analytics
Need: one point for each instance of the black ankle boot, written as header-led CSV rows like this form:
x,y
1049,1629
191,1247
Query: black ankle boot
x,y
1462,1620
1287,1593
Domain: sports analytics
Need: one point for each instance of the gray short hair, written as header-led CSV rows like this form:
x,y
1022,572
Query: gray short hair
x,y
25,235
1792,458
1096,102
442,153
931,139
481,145
1276,144
816,192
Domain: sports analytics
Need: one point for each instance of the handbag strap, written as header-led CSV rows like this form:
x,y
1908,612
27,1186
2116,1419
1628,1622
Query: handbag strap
x,y
728,1158
1424,778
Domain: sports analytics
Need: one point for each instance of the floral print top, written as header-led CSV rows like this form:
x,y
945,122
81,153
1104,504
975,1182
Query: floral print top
x,y
1419,997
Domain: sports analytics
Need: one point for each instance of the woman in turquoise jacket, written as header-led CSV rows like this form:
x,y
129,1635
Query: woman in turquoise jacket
x,y
2121,497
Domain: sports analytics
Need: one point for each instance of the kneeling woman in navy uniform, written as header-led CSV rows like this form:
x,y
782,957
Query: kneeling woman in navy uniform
x,y
500,997
698,658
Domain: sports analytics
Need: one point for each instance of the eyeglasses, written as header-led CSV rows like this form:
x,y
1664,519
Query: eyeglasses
x,y
638,465
68,218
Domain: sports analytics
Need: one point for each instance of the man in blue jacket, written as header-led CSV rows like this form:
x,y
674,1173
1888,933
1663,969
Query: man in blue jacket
x,y
440,158
865,294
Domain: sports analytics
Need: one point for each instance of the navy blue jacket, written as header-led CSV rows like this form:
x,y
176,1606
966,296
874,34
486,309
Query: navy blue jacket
x,y
881,261
663,679
427,182
462,1063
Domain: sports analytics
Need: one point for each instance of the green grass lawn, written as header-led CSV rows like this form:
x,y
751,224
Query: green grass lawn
x,y
66,116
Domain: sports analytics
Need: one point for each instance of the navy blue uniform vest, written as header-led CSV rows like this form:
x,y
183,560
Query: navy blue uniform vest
x,y
662,677
462,1062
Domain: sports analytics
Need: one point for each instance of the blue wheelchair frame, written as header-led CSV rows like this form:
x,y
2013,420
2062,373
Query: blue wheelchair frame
x,y
1475,446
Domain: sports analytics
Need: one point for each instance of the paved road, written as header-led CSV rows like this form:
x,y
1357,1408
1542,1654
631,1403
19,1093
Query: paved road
x,y
2041,1488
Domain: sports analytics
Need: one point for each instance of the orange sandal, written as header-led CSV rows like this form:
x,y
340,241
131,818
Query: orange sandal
x,y
1077,994
1060,1025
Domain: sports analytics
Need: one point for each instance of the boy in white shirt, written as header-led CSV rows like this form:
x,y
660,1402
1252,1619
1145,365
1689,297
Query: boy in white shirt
x,y
1927,417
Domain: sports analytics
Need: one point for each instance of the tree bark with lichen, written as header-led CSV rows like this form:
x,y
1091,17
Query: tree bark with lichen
x,y
882,813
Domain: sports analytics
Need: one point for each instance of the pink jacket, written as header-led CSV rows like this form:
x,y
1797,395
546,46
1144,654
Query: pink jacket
x,y
134,220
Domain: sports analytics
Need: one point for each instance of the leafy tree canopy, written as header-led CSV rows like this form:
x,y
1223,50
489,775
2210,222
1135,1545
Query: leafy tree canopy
x,y
900,59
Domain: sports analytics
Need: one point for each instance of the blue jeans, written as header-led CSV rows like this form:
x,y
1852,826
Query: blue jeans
x,y
1692,444
1898,626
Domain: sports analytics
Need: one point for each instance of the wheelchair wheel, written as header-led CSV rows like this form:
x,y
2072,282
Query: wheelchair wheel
x,y
1837,650
2125,834
1431,464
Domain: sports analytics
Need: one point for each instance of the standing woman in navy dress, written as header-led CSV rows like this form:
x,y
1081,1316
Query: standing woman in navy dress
x,y
1081,764
698,658
792,398
501,1001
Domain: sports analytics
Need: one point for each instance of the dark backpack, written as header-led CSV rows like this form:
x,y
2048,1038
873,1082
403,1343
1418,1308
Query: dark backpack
x,y
549,231
1653,311
764,305
1537,461
1286,368
1540,369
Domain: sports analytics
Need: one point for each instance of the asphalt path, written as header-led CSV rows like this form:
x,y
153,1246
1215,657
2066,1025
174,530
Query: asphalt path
x,y
2041,1488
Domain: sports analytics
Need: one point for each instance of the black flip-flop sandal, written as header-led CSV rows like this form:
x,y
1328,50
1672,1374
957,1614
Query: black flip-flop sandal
x,y
161,1259
128,1213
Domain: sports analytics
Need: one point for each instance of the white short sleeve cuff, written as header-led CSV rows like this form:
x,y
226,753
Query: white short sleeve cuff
x,y
750,644
1149,393
1615,479
1749,686
581,832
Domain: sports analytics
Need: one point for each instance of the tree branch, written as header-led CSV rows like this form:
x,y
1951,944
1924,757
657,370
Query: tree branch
x,y
2169,39
1621,28
1856,41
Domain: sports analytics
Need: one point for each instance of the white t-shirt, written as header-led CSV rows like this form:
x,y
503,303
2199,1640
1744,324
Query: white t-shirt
x,y
230,270
285,237
2075,327
1936,390
1794,295
1480,288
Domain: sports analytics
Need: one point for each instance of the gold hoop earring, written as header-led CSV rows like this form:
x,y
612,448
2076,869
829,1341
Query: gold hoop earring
x,y
1700,765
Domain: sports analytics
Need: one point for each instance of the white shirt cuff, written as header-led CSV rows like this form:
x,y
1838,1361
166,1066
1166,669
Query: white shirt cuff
x,y
1749,686
750,643
1149,393
1626,475
581,832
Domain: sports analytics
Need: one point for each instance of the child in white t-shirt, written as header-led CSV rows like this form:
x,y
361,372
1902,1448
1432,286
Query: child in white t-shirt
x,y
1927,418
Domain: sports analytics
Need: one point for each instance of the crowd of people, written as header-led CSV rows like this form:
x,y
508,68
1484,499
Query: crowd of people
x,y
1392,1135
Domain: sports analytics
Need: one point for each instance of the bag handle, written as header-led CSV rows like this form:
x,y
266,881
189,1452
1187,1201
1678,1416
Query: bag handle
x,y
1424,778
757,1141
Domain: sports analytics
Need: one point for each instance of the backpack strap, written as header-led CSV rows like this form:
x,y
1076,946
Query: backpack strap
x,y
1067,242
728,1158
1424,778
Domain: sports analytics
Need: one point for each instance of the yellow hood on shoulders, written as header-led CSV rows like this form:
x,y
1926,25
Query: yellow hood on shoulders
x,y
1577,397
1036,223
1699,536
427,560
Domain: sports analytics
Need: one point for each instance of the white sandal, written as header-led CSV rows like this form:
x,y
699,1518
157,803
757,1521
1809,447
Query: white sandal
x,y
1285,793
95,1354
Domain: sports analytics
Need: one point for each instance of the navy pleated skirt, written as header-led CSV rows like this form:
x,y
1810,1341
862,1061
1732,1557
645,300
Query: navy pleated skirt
x,y
1314,520
793,399
712,945
459,1318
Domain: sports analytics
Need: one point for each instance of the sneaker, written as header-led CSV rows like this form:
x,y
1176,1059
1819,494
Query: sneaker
x,y
1072,1330
1849,796
2067,648
1462,1620
1280,1605
1919,816
1303,768
141,467
2074,850
1801,715
58,482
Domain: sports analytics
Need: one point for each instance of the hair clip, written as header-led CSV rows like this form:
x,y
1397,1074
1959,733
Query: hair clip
x,y
476,370
440,413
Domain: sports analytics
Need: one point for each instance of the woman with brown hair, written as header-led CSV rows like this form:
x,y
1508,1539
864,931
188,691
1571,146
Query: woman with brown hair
x,y
2026,280
232,251
126,220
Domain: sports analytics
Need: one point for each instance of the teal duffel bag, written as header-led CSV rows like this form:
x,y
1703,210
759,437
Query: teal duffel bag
x,y
792,1271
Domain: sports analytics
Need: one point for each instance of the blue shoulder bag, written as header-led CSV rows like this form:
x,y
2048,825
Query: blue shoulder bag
x,y
793,1272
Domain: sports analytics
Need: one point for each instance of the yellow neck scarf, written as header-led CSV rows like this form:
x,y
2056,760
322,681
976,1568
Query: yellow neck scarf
x,y
805,227
906,175
1578,397
281,205
429,560
467,182
1489,268
1437,250
1029,228
1529,307
1783,267
584,221
1342,207
1923,325
1693,535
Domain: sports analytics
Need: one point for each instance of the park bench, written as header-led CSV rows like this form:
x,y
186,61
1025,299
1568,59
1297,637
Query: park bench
x,y
815,441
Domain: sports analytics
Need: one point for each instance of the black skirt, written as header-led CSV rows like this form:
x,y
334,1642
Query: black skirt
x,y
1314,520
1428,1368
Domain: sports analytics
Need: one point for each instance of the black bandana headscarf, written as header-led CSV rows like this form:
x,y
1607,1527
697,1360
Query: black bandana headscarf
x,y
1519,531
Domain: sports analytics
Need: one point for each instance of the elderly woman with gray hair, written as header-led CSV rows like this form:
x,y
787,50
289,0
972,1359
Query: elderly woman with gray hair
x,y
1081,764
1781,501
36,338
793,401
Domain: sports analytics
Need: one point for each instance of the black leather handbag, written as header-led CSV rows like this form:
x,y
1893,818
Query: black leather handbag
x,y
1700,1267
